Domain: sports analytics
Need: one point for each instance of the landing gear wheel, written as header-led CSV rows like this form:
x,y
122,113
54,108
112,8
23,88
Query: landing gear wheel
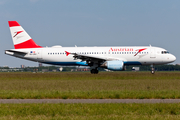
x,y
94,71
152,70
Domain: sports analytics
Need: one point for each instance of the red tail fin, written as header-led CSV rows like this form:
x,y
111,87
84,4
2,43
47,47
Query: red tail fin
x,y
20,37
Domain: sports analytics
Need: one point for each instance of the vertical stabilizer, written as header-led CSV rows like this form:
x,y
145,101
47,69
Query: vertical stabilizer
x,y
20,37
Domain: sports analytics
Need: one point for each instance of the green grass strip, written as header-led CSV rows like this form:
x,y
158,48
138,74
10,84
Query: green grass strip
x,y
90,111
110,85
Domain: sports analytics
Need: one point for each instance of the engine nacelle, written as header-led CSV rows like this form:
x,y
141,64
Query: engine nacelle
x,y
114,65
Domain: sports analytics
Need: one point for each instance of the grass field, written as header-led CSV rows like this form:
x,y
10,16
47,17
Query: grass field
x,y
90,111
68,85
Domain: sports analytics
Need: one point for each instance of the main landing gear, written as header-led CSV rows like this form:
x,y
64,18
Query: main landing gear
x,y
94,71
152,69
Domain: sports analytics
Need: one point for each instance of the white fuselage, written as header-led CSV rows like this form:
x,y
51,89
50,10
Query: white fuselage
x,y
129,55
112,58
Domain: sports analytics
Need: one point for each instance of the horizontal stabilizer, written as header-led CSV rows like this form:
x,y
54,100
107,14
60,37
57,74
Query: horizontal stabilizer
x,y
12,52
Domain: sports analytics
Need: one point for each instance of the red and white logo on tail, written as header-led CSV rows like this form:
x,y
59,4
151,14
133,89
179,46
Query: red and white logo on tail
x,y
20,37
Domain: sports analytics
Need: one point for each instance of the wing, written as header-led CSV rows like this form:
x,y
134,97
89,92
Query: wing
x,y
90,58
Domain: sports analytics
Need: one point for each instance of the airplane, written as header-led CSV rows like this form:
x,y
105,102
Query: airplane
x,y
113,58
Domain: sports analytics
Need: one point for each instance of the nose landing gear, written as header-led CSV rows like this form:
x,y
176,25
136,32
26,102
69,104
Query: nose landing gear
x,y
152,69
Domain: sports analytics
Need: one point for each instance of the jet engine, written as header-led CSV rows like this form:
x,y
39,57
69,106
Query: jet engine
x,y
114,65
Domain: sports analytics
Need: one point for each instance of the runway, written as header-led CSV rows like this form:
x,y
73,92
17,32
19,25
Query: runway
x,y
19,101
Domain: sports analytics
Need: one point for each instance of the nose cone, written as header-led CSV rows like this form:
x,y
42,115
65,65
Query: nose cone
x,y
172,58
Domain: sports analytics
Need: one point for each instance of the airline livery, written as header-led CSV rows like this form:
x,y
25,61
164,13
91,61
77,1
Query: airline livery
x,y
113,58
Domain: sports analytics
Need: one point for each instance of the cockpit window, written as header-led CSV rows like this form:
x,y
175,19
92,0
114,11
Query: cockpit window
x,y
165,52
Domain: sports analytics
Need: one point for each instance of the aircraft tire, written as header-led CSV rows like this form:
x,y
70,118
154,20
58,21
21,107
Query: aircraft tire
x,y
94,71
152,71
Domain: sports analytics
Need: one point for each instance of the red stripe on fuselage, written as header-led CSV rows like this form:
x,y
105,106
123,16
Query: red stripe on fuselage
x,y
27,44
140,50
13,23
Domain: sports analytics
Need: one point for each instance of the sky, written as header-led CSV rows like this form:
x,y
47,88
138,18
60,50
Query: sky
x,y
91,23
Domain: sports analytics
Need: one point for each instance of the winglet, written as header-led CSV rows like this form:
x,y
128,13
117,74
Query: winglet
x,y
67,53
